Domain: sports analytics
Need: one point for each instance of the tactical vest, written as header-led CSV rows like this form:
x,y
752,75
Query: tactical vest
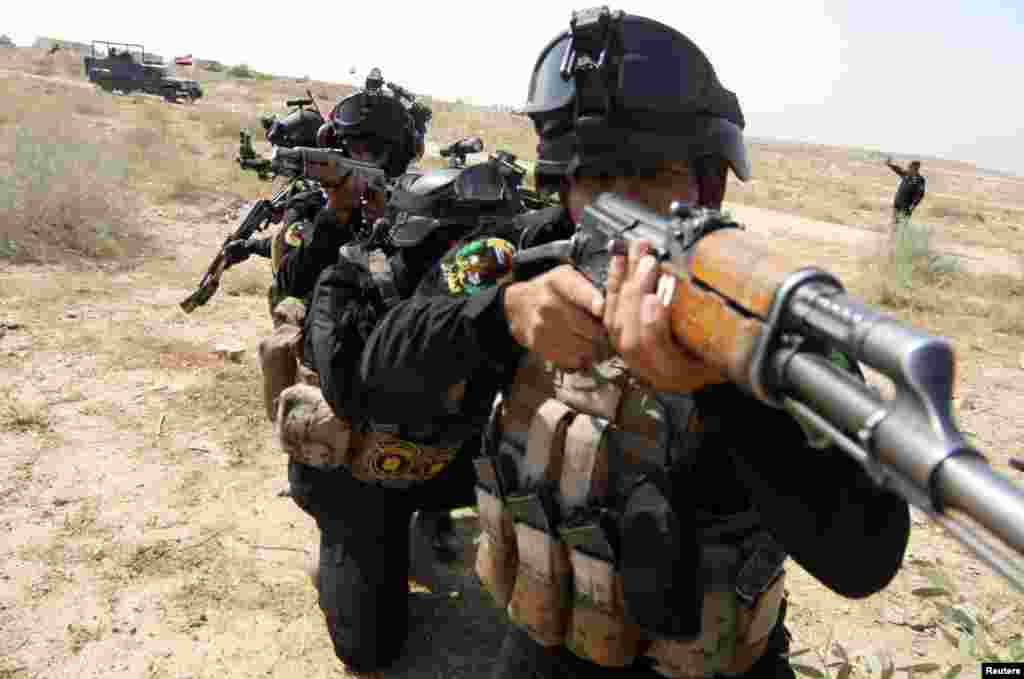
x,y
309,431
573,439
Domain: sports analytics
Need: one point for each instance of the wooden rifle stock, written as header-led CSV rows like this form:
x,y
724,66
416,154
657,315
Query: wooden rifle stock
x,y
719,301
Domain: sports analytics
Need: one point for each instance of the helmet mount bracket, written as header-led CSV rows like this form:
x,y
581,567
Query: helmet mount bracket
x,y
591,33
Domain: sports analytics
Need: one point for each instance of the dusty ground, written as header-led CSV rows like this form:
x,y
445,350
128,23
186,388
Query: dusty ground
x,y
143,535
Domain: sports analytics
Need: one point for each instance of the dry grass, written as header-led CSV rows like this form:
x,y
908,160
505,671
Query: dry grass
x,y
78,636
907,274
68,193
230,405
23,417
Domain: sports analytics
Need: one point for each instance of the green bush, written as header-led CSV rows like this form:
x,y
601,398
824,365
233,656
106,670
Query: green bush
x,y
241,71
910,256
214,66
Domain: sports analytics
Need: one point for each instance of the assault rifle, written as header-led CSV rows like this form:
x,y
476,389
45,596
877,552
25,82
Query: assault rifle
x,y
742,308
508,165
298,128
261,213
327,166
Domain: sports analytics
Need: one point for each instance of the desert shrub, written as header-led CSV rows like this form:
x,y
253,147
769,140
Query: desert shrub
x,y
144,138
91,107
66,193
241,71
43,66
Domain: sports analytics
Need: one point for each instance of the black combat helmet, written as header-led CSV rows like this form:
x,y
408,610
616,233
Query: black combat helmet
x,y
298,128
378,121
619,94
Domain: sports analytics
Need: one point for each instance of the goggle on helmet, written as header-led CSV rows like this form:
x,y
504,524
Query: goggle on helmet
x,y
376,125
618,93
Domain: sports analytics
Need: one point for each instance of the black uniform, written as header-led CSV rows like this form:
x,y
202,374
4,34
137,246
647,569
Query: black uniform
x,y
299,213
819,505
364,564
304,262
909,193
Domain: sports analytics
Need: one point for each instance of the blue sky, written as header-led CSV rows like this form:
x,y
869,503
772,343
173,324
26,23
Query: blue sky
x,y
934,78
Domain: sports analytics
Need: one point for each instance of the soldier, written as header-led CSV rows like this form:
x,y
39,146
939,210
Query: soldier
x,y
637,510
363,563
910,191
372,128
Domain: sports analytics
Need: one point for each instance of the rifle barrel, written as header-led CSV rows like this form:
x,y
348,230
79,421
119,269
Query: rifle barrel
x,y
970,485
961,480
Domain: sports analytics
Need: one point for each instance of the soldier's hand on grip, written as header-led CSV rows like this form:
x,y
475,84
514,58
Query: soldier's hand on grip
x,y
638,326
557,315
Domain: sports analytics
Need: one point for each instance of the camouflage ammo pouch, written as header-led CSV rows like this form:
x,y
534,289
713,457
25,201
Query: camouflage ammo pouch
x,y
741,608
308,431
290,311
599,630
567,586
279,355
543,583
496,556
311,434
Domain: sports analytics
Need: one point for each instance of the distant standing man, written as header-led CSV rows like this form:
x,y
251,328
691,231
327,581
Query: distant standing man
x,y
910,191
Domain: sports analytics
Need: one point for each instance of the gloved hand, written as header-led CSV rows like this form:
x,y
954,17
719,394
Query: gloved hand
x,y
236,252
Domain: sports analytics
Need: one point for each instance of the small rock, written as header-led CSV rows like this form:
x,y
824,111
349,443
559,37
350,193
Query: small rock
x,y
894,616
71,314
230,352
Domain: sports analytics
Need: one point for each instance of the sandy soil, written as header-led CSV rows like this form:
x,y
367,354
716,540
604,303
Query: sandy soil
x,y
143,534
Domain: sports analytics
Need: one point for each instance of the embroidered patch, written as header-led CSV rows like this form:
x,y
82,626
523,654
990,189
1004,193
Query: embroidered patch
x,y
478,265
393,457
293,236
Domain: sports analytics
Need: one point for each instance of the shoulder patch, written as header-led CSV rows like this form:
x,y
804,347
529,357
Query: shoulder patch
x,y
477,265
293,234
